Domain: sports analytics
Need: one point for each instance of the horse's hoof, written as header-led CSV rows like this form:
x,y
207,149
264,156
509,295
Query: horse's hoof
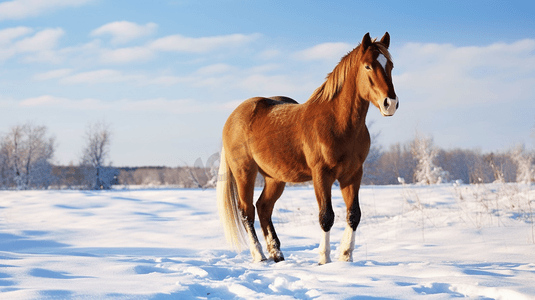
x,y
261,260
346,257
324,260
277,256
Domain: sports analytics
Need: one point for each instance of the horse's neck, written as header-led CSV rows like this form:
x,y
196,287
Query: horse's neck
x,y
347,114
349,110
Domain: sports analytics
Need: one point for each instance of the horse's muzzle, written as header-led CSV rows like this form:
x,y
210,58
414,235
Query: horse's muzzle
x,y
388,106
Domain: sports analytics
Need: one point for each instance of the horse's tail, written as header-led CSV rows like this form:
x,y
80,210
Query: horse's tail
x,y
227,204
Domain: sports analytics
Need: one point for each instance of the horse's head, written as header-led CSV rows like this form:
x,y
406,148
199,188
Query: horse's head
x,y
374,75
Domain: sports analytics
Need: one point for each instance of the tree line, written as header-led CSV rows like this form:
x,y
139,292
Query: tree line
x,y
420,162
27,153
27,162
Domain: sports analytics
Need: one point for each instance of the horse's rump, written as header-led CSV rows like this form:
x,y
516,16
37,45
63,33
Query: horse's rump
x,y
268,132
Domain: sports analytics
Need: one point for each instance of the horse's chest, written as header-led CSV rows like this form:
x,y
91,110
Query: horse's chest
x,y
344,150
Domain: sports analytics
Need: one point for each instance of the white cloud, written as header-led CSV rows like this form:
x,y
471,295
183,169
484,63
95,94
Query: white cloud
x,y
269,54
85,54
181,43
265,68
469,96
37,47
52,101
229,106
43,40
225,69
257,80
104,76
168,80
173,43
325,51
20,9
216,75
124,31
175,106
42,46
446,76
9,34
272,85
46,100
53,74
215,69
126,55
100,76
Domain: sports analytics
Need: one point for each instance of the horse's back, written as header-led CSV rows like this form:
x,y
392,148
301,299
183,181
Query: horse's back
x,y
257,112
256,108
284,99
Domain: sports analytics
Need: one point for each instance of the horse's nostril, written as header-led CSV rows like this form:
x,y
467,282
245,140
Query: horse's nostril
x,y
397,105
386,103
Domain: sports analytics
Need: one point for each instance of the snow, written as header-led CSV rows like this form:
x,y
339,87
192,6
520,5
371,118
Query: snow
x,y
414,242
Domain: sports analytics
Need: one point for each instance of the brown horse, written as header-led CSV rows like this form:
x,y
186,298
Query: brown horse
x,y
323,140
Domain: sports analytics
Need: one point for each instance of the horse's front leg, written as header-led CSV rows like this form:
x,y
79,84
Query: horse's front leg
x,y
350,192
322,187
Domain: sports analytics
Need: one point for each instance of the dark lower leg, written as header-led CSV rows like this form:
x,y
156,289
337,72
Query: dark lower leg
x,y
272,191
273,243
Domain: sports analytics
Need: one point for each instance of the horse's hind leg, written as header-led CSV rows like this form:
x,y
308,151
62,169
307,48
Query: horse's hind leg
x,y
245,186
272,191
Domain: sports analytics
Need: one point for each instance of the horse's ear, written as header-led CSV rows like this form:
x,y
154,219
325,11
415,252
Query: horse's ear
x,y
385,40
366,42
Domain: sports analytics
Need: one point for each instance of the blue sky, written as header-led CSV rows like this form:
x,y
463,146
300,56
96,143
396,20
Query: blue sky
x,y
166,74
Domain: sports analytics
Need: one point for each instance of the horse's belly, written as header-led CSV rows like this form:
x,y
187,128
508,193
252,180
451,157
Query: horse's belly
x,y
283,168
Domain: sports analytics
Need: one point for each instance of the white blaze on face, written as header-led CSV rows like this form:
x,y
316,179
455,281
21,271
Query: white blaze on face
x,y
381,59
388,106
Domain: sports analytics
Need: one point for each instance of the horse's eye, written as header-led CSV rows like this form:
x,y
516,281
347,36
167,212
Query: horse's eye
x,y
367,67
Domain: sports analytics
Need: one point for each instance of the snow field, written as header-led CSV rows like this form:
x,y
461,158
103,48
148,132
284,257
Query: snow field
x,y
414,242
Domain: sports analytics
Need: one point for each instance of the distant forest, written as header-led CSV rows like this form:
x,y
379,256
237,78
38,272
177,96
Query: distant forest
x,y
27,152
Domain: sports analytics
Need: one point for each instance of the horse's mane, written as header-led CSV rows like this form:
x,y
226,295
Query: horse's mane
x,y
334,80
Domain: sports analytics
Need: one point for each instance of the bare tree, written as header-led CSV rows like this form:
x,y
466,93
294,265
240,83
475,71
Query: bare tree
x,y
497,166
397,164
95,155
26,152
12,152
